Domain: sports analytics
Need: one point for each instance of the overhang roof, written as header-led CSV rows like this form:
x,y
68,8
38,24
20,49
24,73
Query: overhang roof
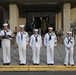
x,y
36,4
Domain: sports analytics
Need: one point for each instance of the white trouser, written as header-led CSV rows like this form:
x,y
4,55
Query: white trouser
x,y
36,55
22,54
67,52
6,53
50,55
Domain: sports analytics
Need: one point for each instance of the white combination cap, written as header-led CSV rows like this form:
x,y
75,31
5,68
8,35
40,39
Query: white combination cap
x,y
5,24
50,28
22,26
35,29
69,32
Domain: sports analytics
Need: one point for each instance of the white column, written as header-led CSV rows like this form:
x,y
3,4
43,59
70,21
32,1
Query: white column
x,y
73,19
66,17
14,16
56,21
73,15
59,21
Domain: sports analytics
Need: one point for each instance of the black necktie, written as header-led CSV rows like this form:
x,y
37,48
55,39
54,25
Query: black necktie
x,y
36,39
22,36
4,33
69,40
49,37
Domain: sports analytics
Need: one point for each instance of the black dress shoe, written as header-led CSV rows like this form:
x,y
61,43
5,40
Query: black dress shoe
x,y
21,64
65,65
72,65
34,63
7,63
4,63
51,64
37,64
48,64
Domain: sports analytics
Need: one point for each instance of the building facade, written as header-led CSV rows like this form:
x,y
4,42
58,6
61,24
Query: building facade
x,y
58,14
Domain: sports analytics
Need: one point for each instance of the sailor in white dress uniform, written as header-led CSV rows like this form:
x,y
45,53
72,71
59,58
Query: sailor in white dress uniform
x,y
36,44
6,35
50,43
69,48
22,40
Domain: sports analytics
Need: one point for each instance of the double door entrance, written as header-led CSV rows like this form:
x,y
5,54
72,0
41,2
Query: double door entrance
x,y
39,17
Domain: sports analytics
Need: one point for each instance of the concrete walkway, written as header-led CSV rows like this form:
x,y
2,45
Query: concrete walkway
x,y
59,56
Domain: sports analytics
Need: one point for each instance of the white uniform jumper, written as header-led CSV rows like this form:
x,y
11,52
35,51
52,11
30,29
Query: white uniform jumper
x,y
6,45
50,41
22,40
36,44
69,43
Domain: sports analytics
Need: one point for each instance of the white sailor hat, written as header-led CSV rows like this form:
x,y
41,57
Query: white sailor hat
x,y
22,26
50,28
5,24
69,32
36,30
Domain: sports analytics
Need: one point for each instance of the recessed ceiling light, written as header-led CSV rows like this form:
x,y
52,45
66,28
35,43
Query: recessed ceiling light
x,y
51,2
40,3
27,3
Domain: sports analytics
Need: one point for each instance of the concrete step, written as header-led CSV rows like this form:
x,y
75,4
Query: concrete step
x,y
38,68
